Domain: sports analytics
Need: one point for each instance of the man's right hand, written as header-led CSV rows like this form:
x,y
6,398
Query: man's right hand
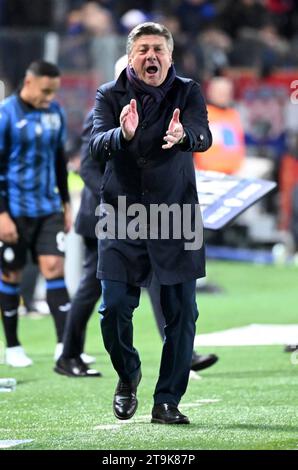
x,y
129,120
8,229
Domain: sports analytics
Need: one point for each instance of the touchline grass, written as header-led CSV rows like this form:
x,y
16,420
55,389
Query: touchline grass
x,y
248,400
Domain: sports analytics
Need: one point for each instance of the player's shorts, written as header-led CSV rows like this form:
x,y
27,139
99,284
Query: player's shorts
x,y
39,235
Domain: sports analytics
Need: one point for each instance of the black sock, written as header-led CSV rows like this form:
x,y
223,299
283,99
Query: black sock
x,y
9,302
59,304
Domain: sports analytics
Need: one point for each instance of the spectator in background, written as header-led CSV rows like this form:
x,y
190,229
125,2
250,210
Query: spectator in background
x,y
90,19
196,15
96,20
284,14
216,46
263,49
228,150
34,199
131,18
188,56
235,16
28,14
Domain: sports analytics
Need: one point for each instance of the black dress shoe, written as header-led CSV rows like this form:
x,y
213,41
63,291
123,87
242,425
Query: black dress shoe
x,y
74,367
291,348
125,399
165,413
202,361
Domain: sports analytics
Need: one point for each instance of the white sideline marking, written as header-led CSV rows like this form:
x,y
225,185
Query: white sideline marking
x,y
135,420
199,402
251,335
208,400
13,443
142,418
107,427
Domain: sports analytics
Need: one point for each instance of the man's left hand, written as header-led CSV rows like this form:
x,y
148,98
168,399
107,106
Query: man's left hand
x,y
175,131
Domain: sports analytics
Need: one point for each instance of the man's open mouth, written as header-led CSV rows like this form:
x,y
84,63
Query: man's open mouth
x,y
152,69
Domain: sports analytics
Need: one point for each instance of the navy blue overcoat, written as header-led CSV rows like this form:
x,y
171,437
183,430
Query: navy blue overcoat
x,y
145,173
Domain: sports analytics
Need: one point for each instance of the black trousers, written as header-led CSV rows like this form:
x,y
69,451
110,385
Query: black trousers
x,y
86,297
178,304
83,303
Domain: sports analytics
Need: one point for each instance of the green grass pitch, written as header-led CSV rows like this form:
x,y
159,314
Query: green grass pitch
x,y
248,400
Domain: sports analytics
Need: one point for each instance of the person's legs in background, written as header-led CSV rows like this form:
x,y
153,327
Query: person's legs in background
x,y
15,355
28,285
82,306
12,262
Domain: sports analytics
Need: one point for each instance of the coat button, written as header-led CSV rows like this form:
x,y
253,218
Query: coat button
x,y
143,125
142,161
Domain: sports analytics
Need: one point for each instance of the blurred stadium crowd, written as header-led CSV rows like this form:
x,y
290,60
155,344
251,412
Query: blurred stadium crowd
x,y
209,35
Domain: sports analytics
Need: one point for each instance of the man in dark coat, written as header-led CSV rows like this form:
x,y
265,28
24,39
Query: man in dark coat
x,y
146,126
72,360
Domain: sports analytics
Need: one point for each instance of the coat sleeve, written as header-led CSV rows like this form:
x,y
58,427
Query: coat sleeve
x,y
90,169
106,136
195,122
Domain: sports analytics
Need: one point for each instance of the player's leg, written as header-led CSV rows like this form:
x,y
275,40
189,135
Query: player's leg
x,y
49,250
12,260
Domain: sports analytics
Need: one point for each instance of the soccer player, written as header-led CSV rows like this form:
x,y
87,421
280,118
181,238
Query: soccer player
x,y
34,199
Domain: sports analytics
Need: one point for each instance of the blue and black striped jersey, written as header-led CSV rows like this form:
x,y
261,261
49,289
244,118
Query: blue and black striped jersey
x,y
31,140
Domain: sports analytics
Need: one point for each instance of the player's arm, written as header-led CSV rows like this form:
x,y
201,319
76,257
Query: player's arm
x,y
4,145
8,230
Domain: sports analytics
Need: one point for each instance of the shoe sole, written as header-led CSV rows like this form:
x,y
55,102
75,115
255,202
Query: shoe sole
x,y
68,374
205,365
128,417
161,421
18,365
63,372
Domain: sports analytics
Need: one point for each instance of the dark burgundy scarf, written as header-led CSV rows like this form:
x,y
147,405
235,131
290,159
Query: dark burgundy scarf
x,y
150,95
